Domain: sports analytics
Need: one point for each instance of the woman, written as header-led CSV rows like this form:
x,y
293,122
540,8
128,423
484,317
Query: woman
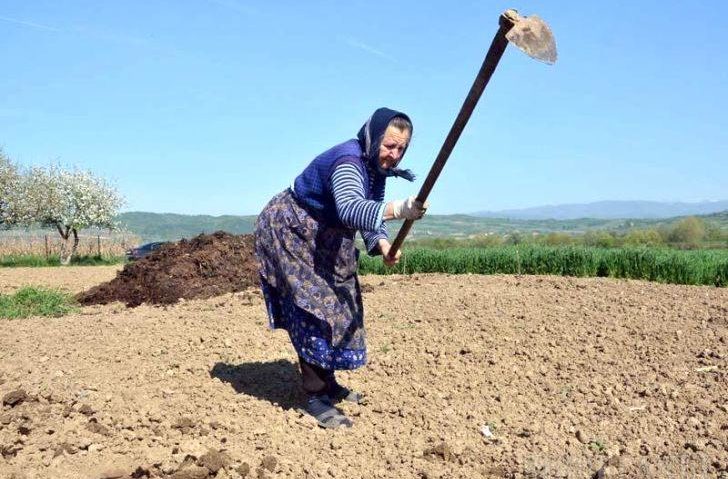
x,y
304,242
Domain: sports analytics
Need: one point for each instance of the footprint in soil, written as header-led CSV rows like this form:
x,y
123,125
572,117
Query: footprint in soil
x,y
273,381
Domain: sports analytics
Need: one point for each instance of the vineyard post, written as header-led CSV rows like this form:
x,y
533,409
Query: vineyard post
x,y
47,253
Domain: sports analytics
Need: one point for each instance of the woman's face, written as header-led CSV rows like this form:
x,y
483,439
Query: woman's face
x,y
393,145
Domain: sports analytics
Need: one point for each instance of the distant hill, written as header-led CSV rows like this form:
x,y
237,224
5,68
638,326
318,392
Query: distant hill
x,y
719,217
610,210
172,227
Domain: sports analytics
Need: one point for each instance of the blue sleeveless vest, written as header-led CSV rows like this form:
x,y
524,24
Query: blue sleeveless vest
x,y
312,186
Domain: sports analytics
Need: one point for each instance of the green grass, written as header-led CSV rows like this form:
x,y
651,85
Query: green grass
x,y
706,267
597,445
36,301
54,260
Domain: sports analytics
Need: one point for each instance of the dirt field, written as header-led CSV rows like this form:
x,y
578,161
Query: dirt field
x,y
575,378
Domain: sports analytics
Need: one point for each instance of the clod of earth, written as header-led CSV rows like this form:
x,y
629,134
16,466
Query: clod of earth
x,y
192,472
10,450
442,451
13,398
203,267
86,410
214,460
269,463
113,473
243,469
97,428
145,470
184,424
64,447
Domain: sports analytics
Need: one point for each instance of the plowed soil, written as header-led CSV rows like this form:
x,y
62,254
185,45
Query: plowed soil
x,y
469,376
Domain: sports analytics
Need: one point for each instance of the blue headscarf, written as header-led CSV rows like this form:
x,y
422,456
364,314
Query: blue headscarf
x,y
370,138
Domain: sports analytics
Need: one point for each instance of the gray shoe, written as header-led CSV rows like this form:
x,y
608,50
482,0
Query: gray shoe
x,y
323,410
338,393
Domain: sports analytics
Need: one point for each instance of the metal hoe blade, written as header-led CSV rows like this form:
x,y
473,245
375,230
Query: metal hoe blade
x,y
532,36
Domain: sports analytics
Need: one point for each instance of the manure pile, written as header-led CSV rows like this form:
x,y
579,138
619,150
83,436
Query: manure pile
x,y
205,266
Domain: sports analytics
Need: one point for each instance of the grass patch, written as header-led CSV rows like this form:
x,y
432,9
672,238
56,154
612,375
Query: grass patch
x,y
36,301
707,267
54,260
597,445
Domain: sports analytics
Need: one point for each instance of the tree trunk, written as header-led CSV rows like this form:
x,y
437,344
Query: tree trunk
x,y
75,243
66,251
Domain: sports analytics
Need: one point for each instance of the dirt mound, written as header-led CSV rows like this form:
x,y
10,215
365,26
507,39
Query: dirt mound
x,y
205,266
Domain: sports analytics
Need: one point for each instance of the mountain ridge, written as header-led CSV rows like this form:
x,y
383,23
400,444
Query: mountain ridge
x,y
609,209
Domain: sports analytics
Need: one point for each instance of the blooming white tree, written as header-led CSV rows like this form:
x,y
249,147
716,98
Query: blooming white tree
x,y
67,200
8,181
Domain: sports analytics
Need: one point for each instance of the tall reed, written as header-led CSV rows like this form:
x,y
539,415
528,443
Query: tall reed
x,y
707,267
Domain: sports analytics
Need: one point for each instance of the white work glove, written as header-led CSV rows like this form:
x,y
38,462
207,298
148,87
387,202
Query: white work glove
x,y
409,209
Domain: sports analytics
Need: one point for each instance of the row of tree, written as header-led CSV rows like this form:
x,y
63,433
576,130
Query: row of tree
x,y
687,233
67,200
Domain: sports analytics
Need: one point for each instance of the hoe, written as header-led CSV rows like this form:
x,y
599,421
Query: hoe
x,y
532,36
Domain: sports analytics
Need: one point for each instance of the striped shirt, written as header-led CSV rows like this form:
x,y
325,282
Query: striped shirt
x,y
355,210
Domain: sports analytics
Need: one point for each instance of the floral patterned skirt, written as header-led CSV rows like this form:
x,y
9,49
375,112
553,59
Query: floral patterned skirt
x,y
308,277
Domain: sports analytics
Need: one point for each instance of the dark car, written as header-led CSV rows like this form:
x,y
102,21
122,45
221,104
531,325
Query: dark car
x,y
141,251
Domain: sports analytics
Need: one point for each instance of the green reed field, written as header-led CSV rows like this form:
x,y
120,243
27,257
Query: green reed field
x,y
706,267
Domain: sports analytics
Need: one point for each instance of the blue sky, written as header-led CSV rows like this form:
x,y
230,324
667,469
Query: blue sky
x,y
213,106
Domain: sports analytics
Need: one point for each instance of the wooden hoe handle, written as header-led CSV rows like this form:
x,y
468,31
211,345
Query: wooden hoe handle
x,y
495,52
